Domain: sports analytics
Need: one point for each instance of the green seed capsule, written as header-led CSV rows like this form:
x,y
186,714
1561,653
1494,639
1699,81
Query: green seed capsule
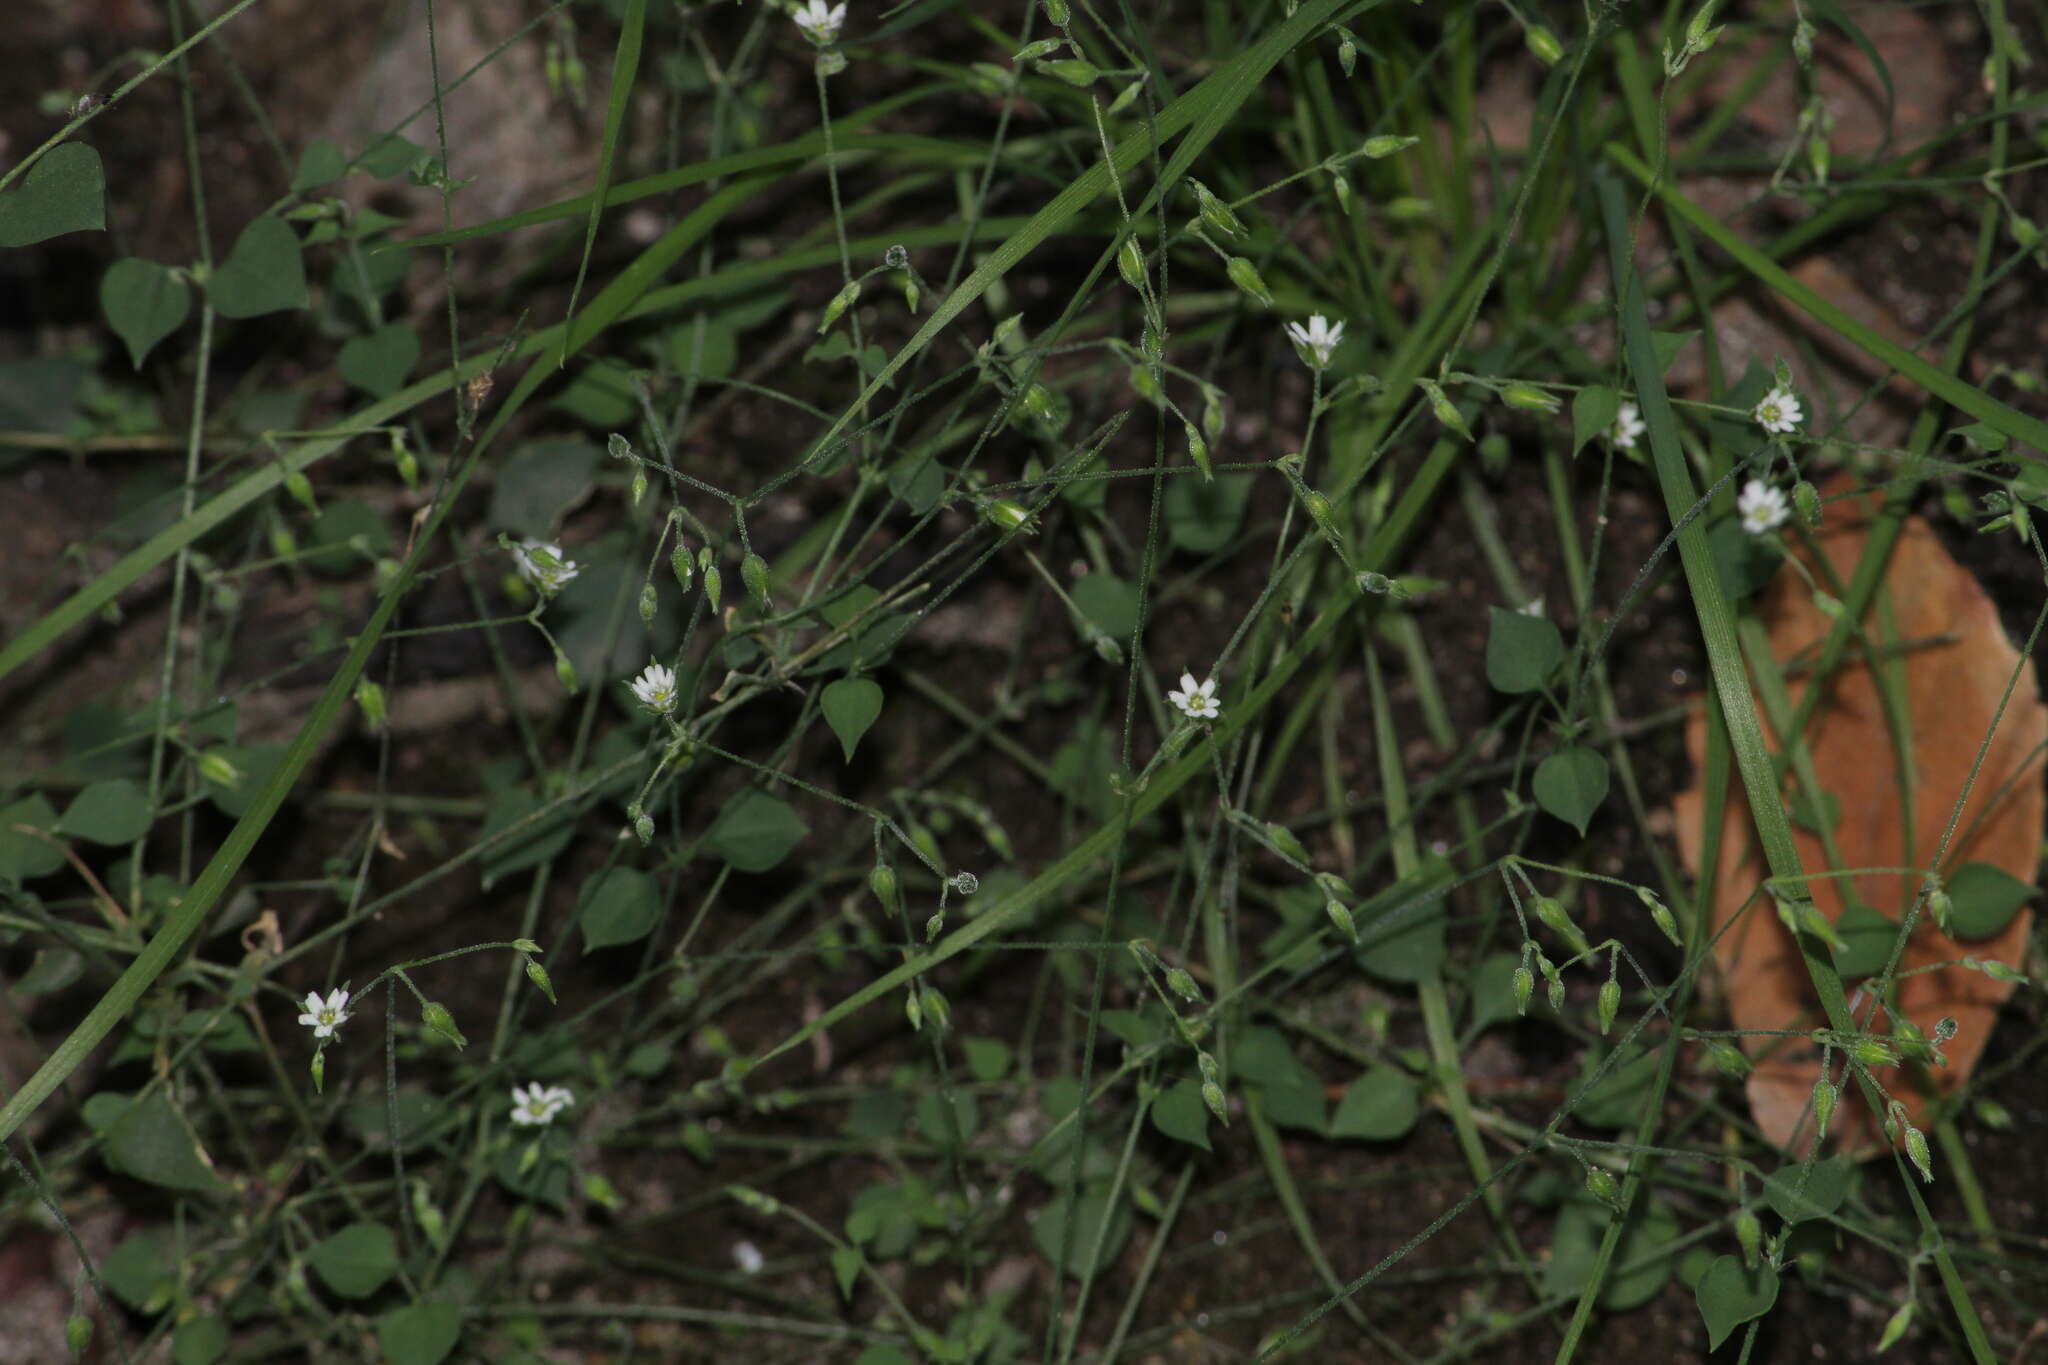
x,y
1545,45
882,881
1217,215
1806,498
538,975
1823,1106
712,583
647,604
565,670
1347,54
1130,263
1386,144
1245,276
933,925
1528,397
913,1011
643,828
1525,986
319,1070
1073,71
301,489
1553,914
754,573
1212,1095
1058,13
1282,838
1730,1059
1198,451
1942,908
77,1334
679,563
1602,1185
841,301
370,697
1318,508
1610,1004
1917,1153
1182,983
1749,1234
437,1019
1341,917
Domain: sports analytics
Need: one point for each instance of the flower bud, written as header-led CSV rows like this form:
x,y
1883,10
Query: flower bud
x,y
1056,11
1559,921
1730,1059
1198,451
1528,397
882,881
1341,187
1544,44
1341,917
1600,1182
77,1334
841,301
1245,276
754,573
1941,907
1282,838
643,828
618,447
1126,97
1660,915
1130,263
1873,1052
1445,411
1182,983
1525,986
639,486
647,604
1347,54
1212,1095
679,563
319,1070
408,464
1916,1151
1895,1327
370,697
713,581
1006,516
1823,1107
913,1011
1806,498
301,489
1216,215
933,925
1375,584
1073,71
216,768
937,1012
1318,509
538,975
1386,144
437,1019
1044,47
1609,1004
565,670
1212,413
1749,1234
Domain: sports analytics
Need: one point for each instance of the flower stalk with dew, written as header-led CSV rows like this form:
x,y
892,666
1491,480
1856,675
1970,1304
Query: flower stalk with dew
x,y
542,565
820,23
1197,701
1628,426
535,1104
1763,507
325,1016
1317,342
1778,411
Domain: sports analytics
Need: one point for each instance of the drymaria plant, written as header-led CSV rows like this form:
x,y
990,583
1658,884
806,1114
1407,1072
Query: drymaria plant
x,y
945,699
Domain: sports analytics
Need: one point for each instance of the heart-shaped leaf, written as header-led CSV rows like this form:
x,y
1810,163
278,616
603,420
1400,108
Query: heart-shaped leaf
x,y
356,1261
263,274
850,706
1986,898
620,905
1179,1113
1381,1105
1522,650
64,192
756,831
112,812
1730,1295
1571,784
1593,412
378,363
144,303
419,1334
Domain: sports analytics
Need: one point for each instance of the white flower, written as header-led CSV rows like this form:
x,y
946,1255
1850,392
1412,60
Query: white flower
x,y
1317,342
656,689
748,1258
1532,607
537,1104
820,25
1628,424
1778,411
325,1016
1762,506
542,565
1197,701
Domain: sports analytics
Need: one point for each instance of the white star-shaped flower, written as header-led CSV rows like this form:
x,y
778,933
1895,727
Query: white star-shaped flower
x,y
656,689
542,565
820,25
1197,701
1762,507
537,1104
1778,411
1628,425
325,1016
1317,342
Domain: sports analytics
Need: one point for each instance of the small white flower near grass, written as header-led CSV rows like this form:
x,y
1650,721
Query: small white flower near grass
x,y
1317,342
1197,701
325,1016
1628,426
535,1104
748,1258
820,24
1763,507
1778,412
656,689
542,565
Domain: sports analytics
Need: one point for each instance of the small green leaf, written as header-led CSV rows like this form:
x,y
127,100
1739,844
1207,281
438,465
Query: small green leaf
x,y
1292,1094
1109,603
356,1261
1401,930
1094,1217
1593,411
111,812
419,1334
1522,651
52,969
756,831
619,905
63,192
379,363
199,1341
345,535
1203,515
1867,937
321,162
1986,899
1730,1295
539,484
144,303
1571,784
141,1270
1380,1105
1179,1113
151,1141
850,706
846,1262
390,155
1668,345
23,856
535,843
263,274
1827,1185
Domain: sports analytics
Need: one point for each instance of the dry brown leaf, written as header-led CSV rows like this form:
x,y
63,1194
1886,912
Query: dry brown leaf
x,y
1953,689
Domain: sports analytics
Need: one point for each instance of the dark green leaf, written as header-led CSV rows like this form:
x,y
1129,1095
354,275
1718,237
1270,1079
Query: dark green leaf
x,y
263,274
1730,1295
1292,1094
111,812
1109,603
1593,411
321,162
1866,944
942,1128
756,831
390,155
144,303
1204,515
619,905
345,536
420,1334
600,396
199,1341
141,1271
918,480
151,1142
1827,1185
1571,784
1401,930
1632,1279
1179,1113
1493,989
255,762
1744,562
706,347
850,706
1986,898
356,1261
1093,1215
23,856
1522,651
379,363
1380,1105
63,192
51,970
1616,1099
534,843
541,483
